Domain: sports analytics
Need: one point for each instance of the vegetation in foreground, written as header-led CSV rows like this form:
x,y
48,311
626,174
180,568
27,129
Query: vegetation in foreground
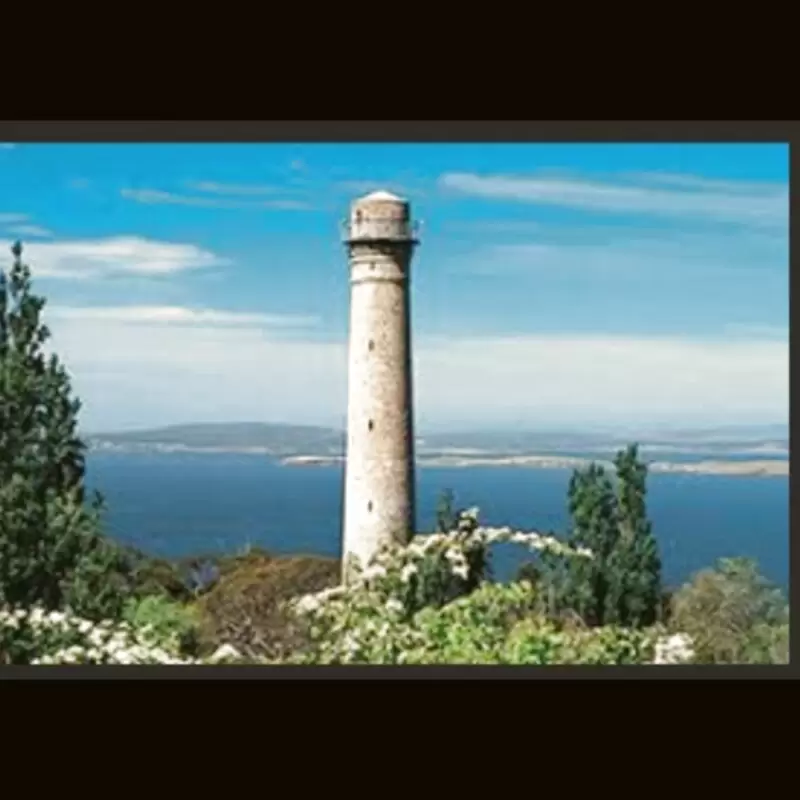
x,y
70,595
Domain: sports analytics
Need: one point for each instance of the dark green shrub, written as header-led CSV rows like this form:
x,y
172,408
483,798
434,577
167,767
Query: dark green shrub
x,y
151,576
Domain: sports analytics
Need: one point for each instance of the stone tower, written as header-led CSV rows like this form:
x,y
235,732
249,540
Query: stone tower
x,y
379,478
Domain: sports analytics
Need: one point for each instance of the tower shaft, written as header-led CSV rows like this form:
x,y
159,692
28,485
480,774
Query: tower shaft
x,y
379,480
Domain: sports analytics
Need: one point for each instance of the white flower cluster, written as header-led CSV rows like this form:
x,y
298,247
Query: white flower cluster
x,y
675,649
64,638
455,546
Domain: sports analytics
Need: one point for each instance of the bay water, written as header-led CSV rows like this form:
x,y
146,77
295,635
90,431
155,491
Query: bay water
x,y
182,504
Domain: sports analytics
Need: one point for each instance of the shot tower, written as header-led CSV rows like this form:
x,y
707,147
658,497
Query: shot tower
x,y
379,479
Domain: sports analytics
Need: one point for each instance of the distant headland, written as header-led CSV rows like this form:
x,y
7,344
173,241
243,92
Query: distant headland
x,y
762,451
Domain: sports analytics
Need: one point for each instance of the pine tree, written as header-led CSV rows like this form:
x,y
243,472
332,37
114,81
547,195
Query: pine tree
x,y
52,553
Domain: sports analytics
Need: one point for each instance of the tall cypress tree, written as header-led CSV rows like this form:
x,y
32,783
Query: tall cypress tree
x,y
52,553
621,584
590,584
637,562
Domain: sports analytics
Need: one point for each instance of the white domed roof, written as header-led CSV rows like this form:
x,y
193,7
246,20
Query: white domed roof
x,y
381,197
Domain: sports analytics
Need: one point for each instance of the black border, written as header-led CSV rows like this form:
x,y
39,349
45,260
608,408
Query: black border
x,y
372,673
786,131
488,131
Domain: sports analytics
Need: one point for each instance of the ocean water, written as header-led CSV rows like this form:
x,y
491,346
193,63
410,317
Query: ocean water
x,y
175,505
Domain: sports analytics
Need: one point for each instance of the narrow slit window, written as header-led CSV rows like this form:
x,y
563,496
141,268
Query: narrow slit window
x,y
371,345
369,506
370,425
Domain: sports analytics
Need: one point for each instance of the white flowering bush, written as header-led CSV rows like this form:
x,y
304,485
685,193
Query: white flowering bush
x,y
427,602
36,636
495,624
433,569
675,649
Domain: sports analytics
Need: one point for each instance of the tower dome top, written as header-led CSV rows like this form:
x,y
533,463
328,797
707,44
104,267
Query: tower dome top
x,y
379,197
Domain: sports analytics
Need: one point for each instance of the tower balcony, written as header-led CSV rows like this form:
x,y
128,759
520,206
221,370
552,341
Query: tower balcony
x,y
377,229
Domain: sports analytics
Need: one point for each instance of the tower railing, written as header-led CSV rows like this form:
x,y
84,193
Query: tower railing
x,y
380,229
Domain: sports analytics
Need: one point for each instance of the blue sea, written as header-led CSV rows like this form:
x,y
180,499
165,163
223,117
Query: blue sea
x,y
175,505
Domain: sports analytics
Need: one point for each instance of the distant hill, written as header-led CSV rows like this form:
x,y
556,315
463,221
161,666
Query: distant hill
x,y
293,440
273,438
723,439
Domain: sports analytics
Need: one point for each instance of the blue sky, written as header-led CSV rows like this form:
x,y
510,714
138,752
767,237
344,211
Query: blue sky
x,y
555,285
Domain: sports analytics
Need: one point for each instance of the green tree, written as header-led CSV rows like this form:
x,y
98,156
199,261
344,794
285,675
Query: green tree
x,y
621,585
52,553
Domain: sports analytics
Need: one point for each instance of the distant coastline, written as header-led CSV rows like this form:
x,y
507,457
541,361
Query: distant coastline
x,y
768,468
718,466
760,451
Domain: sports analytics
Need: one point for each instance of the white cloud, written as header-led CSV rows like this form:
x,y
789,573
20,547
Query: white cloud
x,y
35,231
654,194
149,373
706,184
492,226
632,253
753,331
594,378
158,197
120,255
287,205
21,225
231,188
178,315
366,186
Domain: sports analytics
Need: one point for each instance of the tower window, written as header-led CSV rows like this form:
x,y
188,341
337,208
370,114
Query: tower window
x,y
372,265
369,506
370,425
371,345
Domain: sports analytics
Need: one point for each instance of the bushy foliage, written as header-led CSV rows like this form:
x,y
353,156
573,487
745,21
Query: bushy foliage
x,y
734,615
621,585
51,551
